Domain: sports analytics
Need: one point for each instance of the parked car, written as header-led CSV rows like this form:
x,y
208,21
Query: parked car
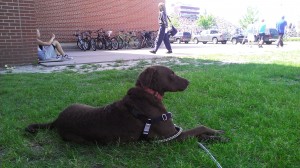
x,y
181,37
211,36
270,37
238,38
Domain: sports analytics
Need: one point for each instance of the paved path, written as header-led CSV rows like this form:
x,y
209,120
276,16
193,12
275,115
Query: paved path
x,y
179,50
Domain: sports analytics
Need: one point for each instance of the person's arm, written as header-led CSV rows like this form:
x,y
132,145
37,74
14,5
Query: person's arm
x,y
164,19
43,43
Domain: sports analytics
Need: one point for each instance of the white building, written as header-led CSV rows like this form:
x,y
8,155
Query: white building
x,y
187,11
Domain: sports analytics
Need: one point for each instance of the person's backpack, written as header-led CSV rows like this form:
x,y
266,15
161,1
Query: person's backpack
x,y
173,30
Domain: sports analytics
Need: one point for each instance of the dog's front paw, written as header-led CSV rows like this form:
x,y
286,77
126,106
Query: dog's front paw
x,y
211,138
30,130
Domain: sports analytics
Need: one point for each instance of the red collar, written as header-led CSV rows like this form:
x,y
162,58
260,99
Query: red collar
x,y
154,93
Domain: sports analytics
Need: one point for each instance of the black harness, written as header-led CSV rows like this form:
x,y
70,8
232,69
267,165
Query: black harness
x,y
149,121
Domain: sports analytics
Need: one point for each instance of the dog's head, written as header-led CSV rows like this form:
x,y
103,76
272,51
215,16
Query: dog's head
x,y
161,79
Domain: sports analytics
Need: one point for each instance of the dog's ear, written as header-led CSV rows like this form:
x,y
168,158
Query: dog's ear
x,y
145,79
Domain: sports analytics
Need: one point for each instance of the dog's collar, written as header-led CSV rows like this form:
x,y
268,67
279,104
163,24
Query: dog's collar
x,y
154,93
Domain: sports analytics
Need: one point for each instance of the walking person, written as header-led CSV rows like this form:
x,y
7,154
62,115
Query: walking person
x,y
162,35
261,33
280,26
251,34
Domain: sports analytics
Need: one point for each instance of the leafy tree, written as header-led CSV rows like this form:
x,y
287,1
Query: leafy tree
x,y
175,20
251,16
206,21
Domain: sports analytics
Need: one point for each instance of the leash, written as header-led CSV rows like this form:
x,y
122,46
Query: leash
x,y
172,137
211,156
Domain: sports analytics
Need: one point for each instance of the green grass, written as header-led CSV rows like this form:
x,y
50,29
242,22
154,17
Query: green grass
x,y
293,39
257,104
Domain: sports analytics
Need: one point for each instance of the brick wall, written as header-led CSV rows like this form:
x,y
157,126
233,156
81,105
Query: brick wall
x,y
63,17
17,31
20,18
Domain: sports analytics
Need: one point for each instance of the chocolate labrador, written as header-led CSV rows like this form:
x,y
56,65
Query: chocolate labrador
x,y
139,115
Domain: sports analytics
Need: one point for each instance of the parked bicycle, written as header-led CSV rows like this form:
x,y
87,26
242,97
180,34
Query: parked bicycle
x,y
121,40
103,40
80,42
100,39
145,39
114,41
133,41
89,41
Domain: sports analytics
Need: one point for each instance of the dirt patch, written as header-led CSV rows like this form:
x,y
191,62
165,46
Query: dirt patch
x,y
87,68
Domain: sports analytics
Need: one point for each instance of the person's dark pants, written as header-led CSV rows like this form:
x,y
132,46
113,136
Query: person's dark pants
x,y
162,36
261,38
280,40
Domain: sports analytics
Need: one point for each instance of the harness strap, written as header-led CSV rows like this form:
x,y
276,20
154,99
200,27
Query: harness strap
x,y
149,122
145,119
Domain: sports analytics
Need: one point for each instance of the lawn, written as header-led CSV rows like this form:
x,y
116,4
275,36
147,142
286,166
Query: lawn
x,y
257,103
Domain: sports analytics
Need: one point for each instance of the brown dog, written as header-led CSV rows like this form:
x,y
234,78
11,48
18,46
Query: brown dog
x,y
139,115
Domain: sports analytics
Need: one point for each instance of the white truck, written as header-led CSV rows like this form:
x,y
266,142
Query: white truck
x,y
211,36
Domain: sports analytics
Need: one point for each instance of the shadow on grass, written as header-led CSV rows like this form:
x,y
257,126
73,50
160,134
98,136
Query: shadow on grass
x,y
256,104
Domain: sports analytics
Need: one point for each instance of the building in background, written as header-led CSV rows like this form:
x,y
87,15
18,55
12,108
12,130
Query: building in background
x,y
183,10
187,11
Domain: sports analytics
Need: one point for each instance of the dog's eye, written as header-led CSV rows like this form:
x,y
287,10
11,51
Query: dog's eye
x,y
172,75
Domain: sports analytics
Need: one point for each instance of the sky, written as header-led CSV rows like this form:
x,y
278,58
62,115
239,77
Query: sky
x,y
233,10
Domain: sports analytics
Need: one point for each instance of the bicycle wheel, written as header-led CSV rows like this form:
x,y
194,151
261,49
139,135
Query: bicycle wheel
x,y
108,44
143,43
134,42
114,43
99,44
125,43
79,45
149,43
85,45
88,44
93,44
82,44
120,43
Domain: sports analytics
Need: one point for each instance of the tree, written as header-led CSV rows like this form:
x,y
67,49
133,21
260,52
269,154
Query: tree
x,y
206,21
251,16
175,20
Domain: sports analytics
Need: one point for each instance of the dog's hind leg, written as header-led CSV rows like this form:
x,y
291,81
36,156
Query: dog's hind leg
x,y
34,127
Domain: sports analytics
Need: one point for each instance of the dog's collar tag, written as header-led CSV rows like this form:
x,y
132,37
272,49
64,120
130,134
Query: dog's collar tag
x,y
147,127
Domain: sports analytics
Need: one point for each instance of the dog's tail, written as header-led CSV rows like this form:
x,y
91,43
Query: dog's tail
x,y
33,128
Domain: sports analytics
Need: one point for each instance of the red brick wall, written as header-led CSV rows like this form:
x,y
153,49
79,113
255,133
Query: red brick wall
x,y
20,18
17,30
63,17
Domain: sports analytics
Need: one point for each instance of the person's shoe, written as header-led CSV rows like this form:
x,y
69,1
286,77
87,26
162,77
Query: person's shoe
x,y
153,52
66,57
169,52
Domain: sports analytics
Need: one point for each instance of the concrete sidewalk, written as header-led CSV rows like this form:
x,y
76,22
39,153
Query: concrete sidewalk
x,y
189,50
98,56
